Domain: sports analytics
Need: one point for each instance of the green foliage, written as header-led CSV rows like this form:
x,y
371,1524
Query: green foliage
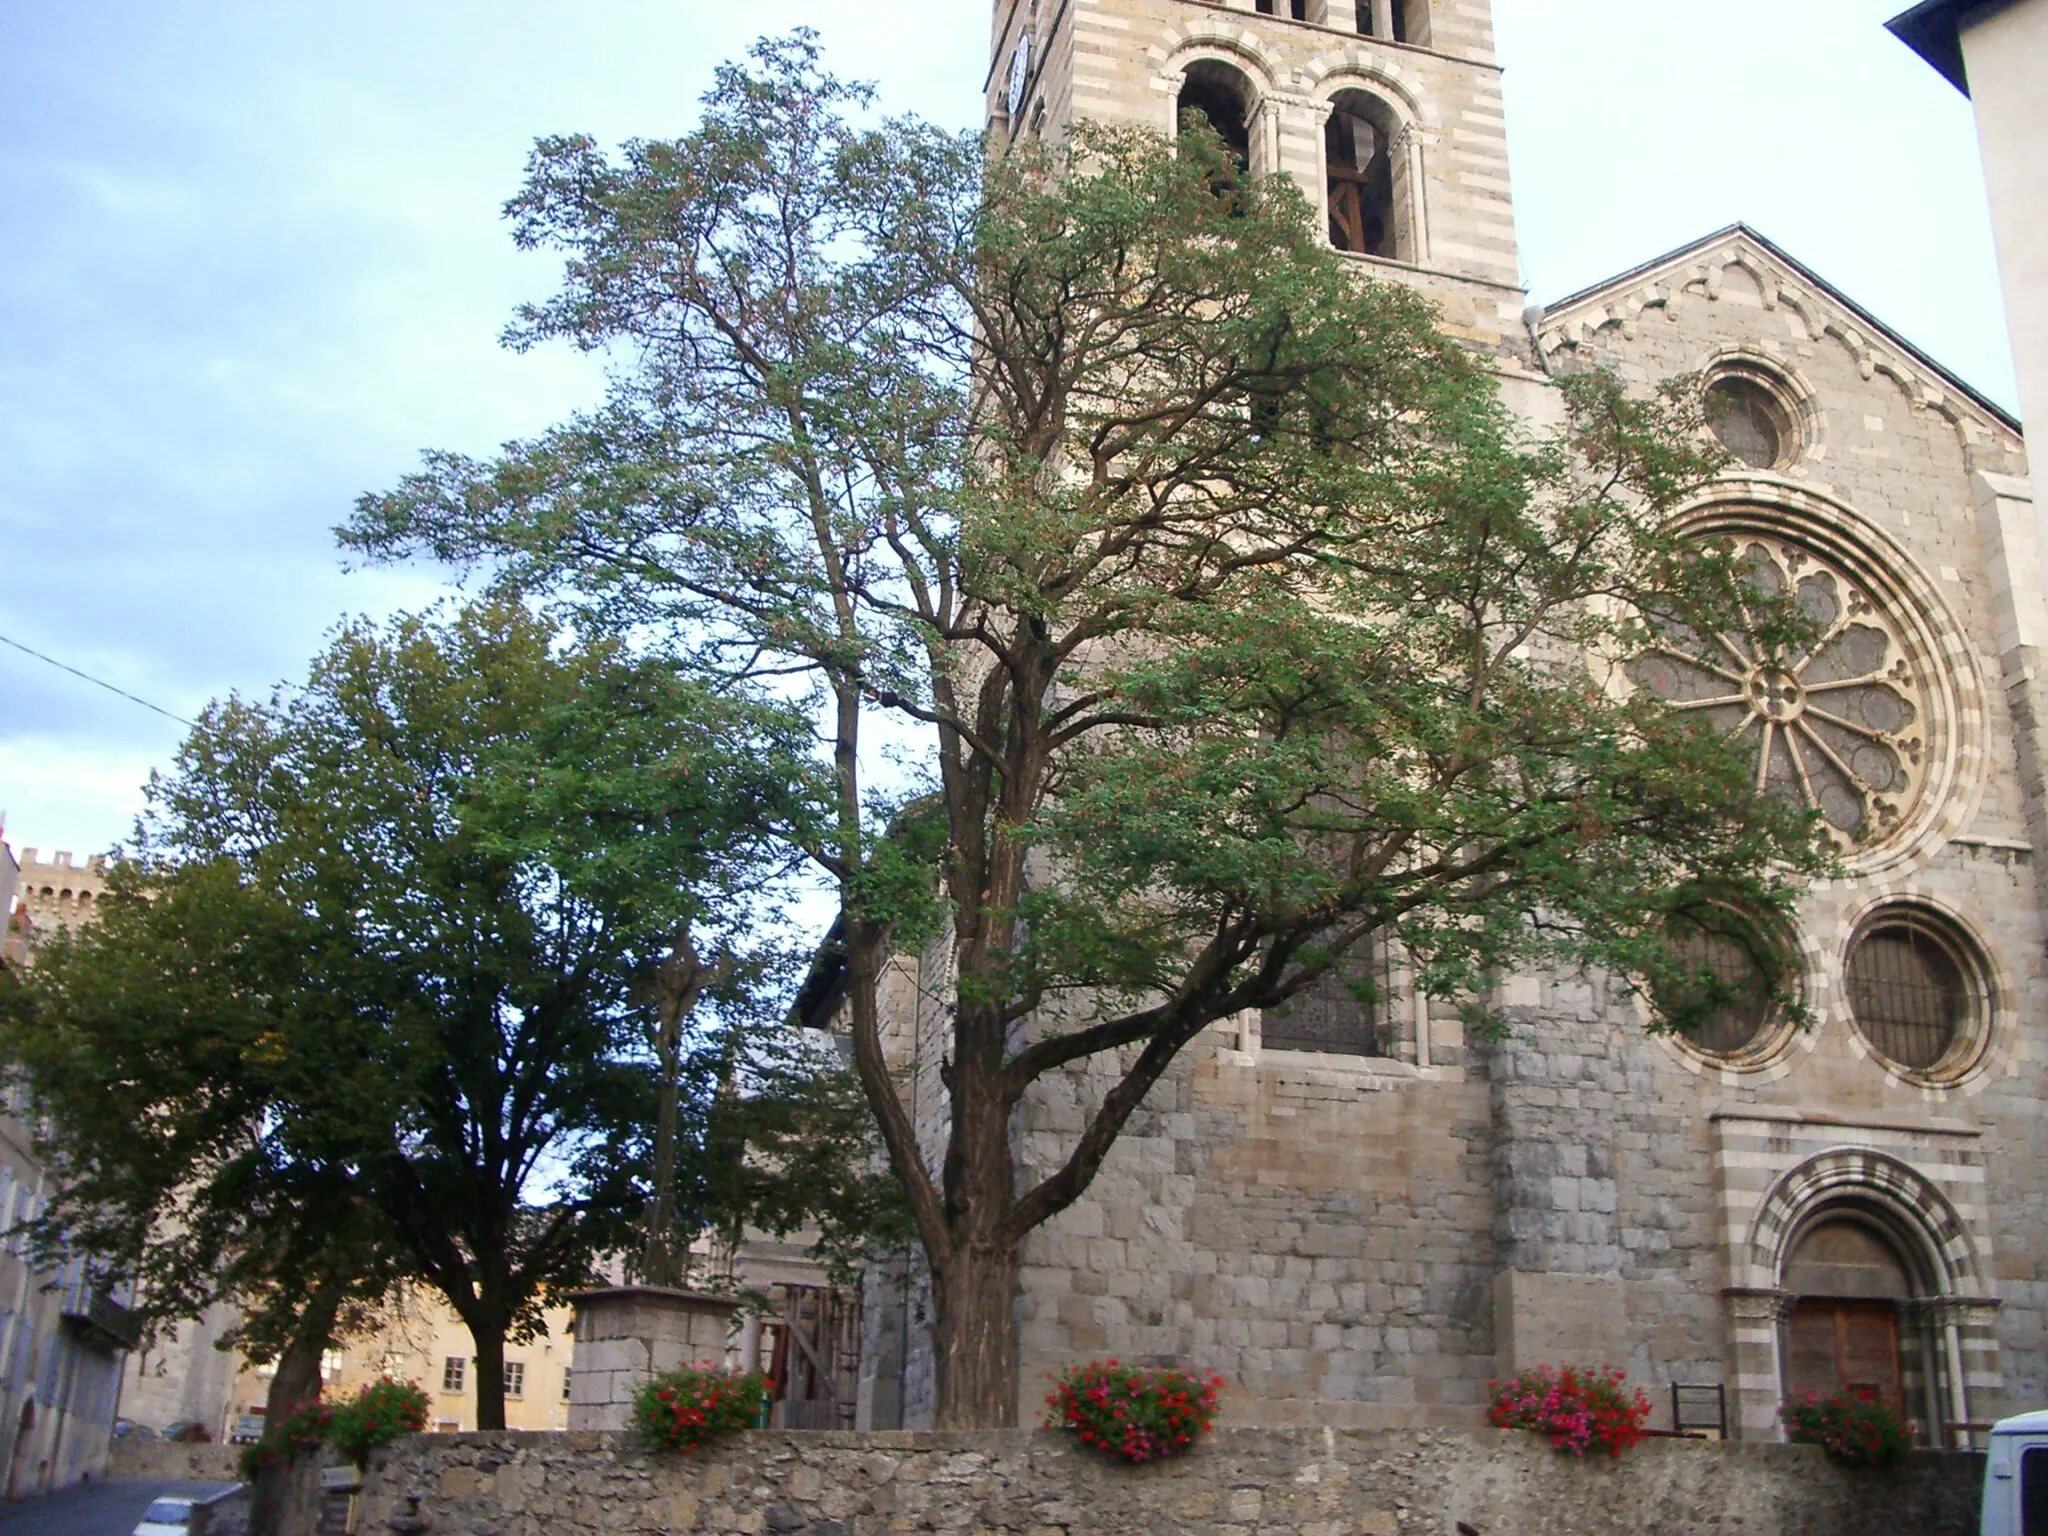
x,y
1233,620
377,1415
1858,1429
680,1410
1130,1413
299,1432
381,968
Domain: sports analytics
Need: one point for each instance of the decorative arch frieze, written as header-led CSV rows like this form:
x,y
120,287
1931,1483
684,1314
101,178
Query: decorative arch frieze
x,y
1578,323
1238,47
1921,1219
1354,69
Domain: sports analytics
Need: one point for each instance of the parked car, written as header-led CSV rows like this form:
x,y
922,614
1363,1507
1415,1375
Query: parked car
x,y
166,1517
2016,1477
128,1429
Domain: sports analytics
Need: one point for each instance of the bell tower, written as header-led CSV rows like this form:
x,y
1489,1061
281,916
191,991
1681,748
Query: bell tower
x,y
1387,112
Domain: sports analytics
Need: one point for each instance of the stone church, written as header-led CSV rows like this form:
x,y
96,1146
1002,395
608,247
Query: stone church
x,y
1360,1219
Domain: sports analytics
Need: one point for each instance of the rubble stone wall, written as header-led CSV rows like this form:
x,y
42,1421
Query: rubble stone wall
x,y
1315,1482
174,1461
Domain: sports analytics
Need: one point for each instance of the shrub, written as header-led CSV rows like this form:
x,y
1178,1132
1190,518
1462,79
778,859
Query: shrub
x,y
681,1409
1577,1408
377,1415
1858,1429
380,1413
302,1429
1131,1413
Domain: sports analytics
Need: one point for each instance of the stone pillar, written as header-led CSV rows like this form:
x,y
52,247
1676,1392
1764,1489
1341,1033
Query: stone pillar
x,y
627,1335
1966,1338
1755,1326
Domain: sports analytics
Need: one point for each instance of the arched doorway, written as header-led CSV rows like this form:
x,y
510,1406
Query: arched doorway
x,y
1858,1271
1851,1298
1862,1315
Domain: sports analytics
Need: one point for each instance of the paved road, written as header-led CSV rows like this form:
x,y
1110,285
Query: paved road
x,y
106,1508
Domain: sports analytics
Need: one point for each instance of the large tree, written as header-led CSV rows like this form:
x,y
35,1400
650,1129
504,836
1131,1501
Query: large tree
x,y
1238,621
393,941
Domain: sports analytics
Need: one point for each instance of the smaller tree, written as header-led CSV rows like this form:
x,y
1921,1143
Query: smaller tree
x,y
428,895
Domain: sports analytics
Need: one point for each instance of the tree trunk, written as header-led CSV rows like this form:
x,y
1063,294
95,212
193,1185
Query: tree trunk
x,y
296,1383
490,1375
974,1338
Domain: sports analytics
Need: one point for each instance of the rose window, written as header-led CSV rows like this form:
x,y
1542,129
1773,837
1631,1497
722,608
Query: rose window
x,y
1836,725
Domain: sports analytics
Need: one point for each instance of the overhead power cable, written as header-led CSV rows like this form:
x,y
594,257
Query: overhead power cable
x,y
95,681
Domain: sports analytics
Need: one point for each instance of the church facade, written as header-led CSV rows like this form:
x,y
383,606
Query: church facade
x,y
1363,1219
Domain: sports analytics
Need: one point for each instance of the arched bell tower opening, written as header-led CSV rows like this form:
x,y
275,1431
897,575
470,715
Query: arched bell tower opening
x,y
1222,97
1368,191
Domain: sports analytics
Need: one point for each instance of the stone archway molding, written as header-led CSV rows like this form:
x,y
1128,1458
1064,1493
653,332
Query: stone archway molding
x,y
1938,1241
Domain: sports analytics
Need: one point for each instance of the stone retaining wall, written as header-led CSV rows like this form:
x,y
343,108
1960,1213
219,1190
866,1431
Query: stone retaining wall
x,y
174,1461
1288,1482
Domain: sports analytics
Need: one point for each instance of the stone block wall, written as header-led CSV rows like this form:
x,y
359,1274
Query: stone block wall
x,y
174,1461
1301,1482
627,1336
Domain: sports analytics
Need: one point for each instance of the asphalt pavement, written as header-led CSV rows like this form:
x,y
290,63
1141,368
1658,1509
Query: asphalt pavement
x,y
103,1507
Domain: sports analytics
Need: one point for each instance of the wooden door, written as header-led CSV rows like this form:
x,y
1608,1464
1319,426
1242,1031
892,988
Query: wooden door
x,y
1844,1346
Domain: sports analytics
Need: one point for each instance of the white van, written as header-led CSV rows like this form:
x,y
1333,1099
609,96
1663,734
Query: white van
x,y
2016,1478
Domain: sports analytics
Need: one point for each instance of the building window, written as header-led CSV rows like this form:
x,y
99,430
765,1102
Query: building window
x,y
515,1378
1368,184
1404,21
1346,1012
1835,725
1730,1001
454,1373
566,1375
1751,422
1221,97
447,1426
1913,991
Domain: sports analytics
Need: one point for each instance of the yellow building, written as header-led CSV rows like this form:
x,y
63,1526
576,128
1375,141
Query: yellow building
x,y
420,1339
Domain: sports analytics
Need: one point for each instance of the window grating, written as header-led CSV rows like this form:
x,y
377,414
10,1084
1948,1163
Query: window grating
x,y
1748,420
1345,1013
454,1371
1907,994
1739,1006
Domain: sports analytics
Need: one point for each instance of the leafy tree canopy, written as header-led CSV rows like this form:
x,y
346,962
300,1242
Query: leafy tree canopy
x,y
1235,619
375,990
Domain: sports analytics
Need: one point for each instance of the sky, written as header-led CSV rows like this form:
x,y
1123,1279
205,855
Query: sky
x,y
252,263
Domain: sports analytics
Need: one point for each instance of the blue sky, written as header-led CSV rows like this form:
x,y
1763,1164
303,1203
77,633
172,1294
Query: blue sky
x,y
251,263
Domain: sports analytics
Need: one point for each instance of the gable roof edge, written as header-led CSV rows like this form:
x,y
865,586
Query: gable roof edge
x,y
1933,29
1805,274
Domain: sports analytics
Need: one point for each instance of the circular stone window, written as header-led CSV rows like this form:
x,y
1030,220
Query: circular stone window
x,y
1836,725
1916,992
1751,421
1730,1004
